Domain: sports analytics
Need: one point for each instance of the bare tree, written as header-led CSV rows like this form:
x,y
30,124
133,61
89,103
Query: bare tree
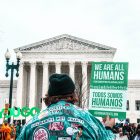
x,y
80,91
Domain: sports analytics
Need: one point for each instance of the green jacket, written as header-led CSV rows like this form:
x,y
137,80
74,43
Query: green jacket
x,y
64,121
18,130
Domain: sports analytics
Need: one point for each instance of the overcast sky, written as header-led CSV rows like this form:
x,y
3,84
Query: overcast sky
x,y
115,23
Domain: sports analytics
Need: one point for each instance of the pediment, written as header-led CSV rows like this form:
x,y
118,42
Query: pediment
x,y
64,43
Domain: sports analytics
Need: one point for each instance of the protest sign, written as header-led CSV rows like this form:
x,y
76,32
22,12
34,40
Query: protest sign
x,y
108,88
25,112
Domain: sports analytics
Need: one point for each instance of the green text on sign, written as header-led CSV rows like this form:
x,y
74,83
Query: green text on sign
x,y
109,75
25,112
112,114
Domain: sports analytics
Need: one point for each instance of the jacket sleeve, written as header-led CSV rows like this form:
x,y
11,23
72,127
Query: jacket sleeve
x,y
103,133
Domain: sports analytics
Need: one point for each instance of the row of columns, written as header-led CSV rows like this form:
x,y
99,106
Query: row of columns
x,y
45,83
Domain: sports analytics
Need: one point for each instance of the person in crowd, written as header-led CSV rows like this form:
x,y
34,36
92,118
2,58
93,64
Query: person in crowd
x,y
0,131
137,137
127,130
18,128
64,120
6,131
120,135
134,127
13,132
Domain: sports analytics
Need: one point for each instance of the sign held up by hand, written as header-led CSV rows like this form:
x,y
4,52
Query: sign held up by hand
x,y
108,86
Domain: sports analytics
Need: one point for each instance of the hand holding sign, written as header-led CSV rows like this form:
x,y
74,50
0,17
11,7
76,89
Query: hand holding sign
x,y
109,122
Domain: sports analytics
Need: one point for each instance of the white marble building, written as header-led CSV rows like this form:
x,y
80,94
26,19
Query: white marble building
x,y
133,98
61,54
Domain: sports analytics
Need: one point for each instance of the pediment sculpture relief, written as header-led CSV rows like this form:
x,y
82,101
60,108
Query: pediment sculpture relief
x,y
64,45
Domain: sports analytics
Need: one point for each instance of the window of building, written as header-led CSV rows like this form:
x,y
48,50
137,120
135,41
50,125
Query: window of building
x,y
127,105
138,120
137,104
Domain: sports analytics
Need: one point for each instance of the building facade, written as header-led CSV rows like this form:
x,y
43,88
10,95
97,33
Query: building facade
x,y
133,101
61,54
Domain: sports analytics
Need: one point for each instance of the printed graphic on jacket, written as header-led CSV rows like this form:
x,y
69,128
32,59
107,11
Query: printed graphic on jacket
x,y
40,133
56,126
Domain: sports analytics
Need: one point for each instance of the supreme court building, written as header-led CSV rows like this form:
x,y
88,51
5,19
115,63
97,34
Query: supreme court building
x,y
61,54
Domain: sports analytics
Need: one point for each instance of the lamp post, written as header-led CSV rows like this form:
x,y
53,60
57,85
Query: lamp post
x,y
11,67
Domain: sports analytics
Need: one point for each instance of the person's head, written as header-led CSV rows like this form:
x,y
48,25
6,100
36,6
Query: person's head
x,y
17,122
11,125
5,122
61,87
120,129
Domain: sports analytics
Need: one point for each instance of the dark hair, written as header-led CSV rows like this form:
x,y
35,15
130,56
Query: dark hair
x,y
69,97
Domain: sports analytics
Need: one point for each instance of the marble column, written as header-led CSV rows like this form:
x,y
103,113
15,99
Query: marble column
x,y
19,97
132,107
72,70
45,81
58,67
32,91
84,85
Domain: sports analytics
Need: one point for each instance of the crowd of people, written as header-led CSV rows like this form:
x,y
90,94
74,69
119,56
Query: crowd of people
x,y
10,131
122,131
126,131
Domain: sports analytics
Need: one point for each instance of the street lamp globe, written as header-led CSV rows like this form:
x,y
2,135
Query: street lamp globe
x,y
18,55
7,55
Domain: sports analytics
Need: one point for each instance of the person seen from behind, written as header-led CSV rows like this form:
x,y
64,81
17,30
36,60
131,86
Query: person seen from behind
x,y
5,131
62,120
